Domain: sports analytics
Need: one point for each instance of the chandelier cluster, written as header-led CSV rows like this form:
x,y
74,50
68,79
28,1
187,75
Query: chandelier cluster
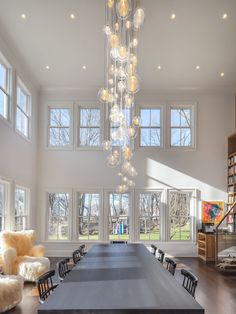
x,y
123,21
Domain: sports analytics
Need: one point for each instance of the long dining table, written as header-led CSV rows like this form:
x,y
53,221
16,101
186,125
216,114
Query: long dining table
x,y
120,279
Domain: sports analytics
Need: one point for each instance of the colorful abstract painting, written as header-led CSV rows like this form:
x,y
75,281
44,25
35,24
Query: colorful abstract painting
x,y
212,212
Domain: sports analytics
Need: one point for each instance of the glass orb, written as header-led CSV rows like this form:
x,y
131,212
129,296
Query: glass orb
x,y
129,101
114,41
122,52
139,16
110,98
121,134
116,153
119,188
106,146
125,179
126,166
117,27
111,82
136,121
123,8
107,30
131,69
133,84
131,183
110,3
131,132
115,56
135,42
128,24
112,160
112,69
103,95
127,153
134,60
124,188
121,74
120,174
132,172
115,109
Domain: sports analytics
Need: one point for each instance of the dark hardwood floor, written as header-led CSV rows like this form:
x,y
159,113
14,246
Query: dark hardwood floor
x,y
215,292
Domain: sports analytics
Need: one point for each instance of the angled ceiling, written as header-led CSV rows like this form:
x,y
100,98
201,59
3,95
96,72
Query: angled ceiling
x,y
198,36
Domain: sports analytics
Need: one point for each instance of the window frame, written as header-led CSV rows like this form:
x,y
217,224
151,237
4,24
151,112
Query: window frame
x,y
162,119
193,128
8,90
192,216
78,192
60,105
46,220
6,210
89,105
28,113
27,204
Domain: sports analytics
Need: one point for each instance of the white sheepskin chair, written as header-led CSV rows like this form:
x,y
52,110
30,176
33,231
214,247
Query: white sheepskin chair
x,y
20,257
11,288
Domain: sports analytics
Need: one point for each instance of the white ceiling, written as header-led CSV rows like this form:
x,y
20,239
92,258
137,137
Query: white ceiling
x,y
198,36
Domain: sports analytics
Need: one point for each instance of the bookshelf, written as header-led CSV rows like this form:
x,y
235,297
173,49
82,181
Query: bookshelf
x,y
231,175
206,247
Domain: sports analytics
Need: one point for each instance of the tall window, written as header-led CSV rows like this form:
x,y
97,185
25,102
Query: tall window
x,y
4,90
150,127
88,216
89,127
3,204
58,227
179,215
21,208
23,111
150,206
114,129
59,127
181,127
118,216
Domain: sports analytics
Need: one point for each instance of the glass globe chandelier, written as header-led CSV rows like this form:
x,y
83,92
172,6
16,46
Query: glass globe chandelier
x,y
123,21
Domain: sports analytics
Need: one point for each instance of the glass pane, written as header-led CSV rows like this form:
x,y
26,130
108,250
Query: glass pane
x,y
54,136
154,228
175,137
145,117
22,122
89,137
155,117
118,228
52,228
185,137
175,117
144,230
185,117
93,228
58,204
3,104
2,199
174,229
3,77
179,203
20,202
55,117
21,99
145,137
83,228
60,117
185,228
89,204
65,117
155,137
64,136
63,228
150,204
90,117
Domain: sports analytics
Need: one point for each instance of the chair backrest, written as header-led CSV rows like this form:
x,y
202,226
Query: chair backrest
x,y
45,285
82,249
76,255
161,256
118,242
63,268
153,249
189,282
170,265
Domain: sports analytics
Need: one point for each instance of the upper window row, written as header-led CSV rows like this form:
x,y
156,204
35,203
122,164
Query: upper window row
x,y
179,126
23,100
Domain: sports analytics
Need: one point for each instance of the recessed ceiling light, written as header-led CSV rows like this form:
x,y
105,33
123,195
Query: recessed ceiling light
x,y
224,16
222,74
47,67
173,16
72,16
159,67
197,67
23,16
84,67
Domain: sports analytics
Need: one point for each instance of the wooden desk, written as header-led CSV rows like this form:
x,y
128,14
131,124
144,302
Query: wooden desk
x,y
120,279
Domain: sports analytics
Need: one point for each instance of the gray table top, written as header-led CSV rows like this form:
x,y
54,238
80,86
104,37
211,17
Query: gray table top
x,y
120,279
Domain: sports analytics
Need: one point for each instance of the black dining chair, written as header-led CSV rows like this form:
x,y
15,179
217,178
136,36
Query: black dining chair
x,y
153,249
118,242
170,265
63,268
189,282
76,255
45,285
160,256
82,250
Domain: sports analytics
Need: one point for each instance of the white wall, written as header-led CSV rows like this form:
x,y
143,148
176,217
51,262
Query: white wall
x,y
203,169
18,157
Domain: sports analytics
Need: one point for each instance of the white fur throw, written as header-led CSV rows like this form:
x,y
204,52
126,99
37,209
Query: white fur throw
x,y
11,288
30,268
